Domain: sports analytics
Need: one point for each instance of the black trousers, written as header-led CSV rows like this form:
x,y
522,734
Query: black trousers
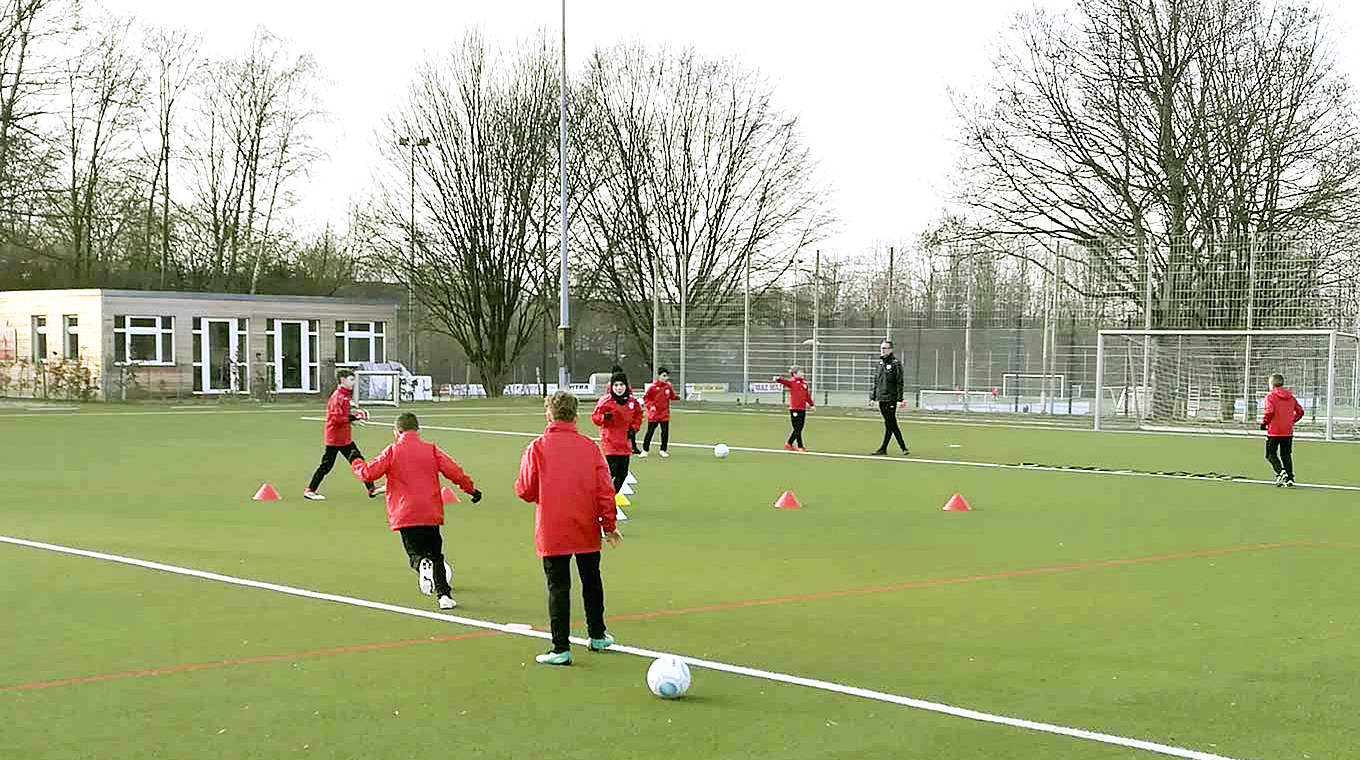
x,y
618,469
558,571
665,426
351,453
797,417
632,439
1280,454
889,411
422,541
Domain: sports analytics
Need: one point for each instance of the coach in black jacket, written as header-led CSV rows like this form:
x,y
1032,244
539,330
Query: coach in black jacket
x,y
887,391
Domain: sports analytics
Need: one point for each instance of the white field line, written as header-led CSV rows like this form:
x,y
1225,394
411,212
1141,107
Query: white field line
x,y
920,460
516,630
1035,425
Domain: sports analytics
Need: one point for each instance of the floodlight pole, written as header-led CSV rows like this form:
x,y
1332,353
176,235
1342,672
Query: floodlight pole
x,y
816,314
564,305
412,142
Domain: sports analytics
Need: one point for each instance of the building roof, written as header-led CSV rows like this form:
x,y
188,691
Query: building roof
x,y
194,295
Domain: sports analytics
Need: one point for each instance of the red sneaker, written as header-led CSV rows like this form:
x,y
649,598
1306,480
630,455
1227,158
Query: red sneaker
x,y
789,446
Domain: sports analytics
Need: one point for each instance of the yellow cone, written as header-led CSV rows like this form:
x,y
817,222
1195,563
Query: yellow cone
x,y
621,501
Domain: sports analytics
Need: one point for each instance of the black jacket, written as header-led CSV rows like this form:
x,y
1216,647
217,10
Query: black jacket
x,y
887,380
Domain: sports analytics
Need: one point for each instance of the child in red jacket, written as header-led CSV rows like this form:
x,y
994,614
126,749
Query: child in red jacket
x,y
339,434
1282,411
800,400
657,400
563,473
414,506
617,413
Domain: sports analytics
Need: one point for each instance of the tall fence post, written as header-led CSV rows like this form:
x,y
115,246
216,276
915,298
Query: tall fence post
x,y
887,333
746,332
968,329
1331,382
816,312
1147,325
1100,369
1251,302
684,287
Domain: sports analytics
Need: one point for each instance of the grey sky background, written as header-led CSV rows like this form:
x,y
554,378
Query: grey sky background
x,y
868,80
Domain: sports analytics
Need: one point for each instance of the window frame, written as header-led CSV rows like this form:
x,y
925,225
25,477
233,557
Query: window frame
x,y
38,329
124,330
375,334
70,337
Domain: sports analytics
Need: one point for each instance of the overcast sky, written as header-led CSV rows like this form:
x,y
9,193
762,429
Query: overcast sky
x,y
868,79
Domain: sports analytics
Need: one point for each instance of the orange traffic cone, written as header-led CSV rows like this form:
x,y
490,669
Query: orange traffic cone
x,y
787,501
448,495
266,493
957,503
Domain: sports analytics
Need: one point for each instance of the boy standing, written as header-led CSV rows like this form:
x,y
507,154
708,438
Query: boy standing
x,y
1282,411
657,400
800,400
339,434
563,473
414,507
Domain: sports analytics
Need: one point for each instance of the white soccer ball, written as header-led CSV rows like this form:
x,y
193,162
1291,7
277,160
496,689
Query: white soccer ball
x,y
721,451
668,677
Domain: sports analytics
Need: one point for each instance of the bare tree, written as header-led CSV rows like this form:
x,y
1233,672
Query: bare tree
x,y
689,174
27,75
473,262
175,63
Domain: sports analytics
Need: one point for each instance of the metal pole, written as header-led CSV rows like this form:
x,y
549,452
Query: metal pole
x,y
1331,382
543,243
656,316
746,332
1044,350
1147,325
684,309
1100,367
564,304
1246,359
887,333
816,312
968,334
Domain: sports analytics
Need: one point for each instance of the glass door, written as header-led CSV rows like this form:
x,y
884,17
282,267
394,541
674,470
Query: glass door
x,y
222,345
293,356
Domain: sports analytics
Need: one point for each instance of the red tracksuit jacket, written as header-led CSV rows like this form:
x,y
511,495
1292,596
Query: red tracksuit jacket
x,y
623,417
800,396
1282,411
338,418
413,467
658,399
563,473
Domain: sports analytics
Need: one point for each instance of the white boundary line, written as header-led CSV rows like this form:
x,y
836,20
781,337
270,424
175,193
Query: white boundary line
x,y
854,691
920,460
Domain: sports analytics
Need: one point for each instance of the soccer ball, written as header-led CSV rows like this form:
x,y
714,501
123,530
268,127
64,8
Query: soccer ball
x,y
668,677
721,451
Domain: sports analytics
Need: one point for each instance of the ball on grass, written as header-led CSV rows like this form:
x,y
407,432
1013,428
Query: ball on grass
x,y
721,451
668,677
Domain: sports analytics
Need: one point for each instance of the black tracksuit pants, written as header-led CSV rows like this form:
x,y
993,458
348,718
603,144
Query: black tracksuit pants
x,y
618,469
797,417
421,541
558,571
890,429
665,426
1280,454
351,453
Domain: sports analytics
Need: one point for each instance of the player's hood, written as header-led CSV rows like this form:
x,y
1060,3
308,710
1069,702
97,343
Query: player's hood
x,y
1281,393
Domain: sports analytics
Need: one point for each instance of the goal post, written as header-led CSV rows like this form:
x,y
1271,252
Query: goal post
x,y
377,387
1217,380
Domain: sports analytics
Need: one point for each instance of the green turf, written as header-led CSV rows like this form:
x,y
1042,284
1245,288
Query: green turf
x,y
1211,615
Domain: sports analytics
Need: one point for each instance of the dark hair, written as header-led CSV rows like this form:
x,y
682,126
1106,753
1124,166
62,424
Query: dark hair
x,y
662,371
562,405
889,342
407,421
342,373
618,377
1276,380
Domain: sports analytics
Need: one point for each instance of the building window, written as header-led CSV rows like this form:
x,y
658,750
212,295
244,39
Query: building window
x,y
143,340
71,333
358,342
39,339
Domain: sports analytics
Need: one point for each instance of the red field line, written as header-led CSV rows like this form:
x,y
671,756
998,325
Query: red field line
x,y
663,613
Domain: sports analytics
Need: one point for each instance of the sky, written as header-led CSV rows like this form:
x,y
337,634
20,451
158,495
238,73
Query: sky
x,y
868,79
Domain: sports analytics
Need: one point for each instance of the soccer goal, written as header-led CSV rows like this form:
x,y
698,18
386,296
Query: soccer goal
x,y
377,388
1217,380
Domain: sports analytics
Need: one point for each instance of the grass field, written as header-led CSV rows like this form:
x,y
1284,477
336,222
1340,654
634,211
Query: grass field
x,y
1210,616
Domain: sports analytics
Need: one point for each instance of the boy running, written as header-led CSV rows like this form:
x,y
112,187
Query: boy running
x,y
563,474
339,434
800,400
1282,411
414,507
657,400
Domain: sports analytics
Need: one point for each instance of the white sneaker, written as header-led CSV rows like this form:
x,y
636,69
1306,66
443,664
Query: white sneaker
x,y
665,454
313,495
642,454
426,570
446,602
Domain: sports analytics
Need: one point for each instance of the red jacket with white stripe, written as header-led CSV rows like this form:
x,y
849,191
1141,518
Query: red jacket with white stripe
x,y
338,417
563,473
800,396
622,418
658,399
1282,411
413,467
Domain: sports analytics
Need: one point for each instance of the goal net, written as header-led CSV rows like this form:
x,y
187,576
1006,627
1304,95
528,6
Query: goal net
x,y
1203,380
377,387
